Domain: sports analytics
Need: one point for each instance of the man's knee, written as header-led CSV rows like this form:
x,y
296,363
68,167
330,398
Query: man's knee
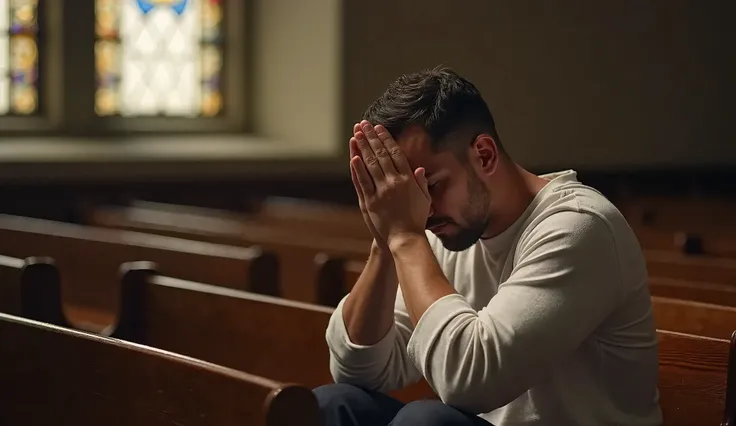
x,y
432,413
344,404
339,395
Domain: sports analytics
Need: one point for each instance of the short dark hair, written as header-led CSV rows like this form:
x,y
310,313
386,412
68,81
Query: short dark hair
x,y
448,107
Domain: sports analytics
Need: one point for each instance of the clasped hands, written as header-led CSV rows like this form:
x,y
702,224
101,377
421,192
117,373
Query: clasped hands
x,y
394,199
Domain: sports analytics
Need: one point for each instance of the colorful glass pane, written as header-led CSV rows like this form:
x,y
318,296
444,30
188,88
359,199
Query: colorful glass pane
x,y
159,57
18,57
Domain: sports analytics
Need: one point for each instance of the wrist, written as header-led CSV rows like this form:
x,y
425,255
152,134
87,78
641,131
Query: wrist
x,y
380,251
405,241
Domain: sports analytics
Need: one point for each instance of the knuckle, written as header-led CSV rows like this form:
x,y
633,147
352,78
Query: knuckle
x,y
396,152
371,160
382,153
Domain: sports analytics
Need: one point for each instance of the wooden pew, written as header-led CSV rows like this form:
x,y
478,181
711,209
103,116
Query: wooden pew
x,y
678,313
702,226
680,213
272,337
296,248
696,379
310,217
90,258
691,268
710,244
30,288
53,375
345,220
262,335
661,263
702,319
345,273
717,294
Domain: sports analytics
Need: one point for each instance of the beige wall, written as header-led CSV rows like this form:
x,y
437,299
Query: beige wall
x,y
594,84
297,66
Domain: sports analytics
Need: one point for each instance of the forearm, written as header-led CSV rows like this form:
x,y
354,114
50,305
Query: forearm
x,y
422,280
368,311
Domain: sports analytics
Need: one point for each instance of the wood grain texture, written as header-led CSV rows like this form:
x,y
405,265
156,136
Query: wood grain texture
x,y
693,376
89,258
272,337
53,375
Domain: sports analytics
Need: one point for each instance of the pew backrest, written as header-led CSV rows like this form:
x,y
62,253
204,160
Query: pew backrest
x,y
691,268
686,316
31,288
90,258
694,378
296,247
697,291
272,337
51,374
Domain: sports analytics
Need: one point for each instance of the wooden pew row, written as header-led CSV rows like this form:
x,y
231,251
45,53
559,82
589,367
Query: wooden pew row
x,y
277,212
716,294
673,308
296,247
697,215
691,268
661,263
55,375
346,273
91,258
348,221
678,234
689,243
260,334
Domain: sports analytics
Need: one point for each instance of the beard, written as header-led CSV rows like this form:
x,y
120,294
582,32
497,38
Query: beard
x,y
476,216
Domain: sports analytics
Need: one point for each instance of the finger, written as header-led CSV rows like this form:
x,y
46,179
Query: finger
x,y
364,178
397,155
368,157
358,188
422,181
384,158
356,128
354,150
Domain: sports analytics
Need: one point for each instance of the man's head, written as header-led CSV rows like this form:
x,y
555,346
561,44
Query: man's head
x,y
443,124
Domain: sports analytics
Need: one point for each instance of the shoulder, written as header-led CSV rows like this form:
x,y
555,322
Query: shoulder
x,y
573,220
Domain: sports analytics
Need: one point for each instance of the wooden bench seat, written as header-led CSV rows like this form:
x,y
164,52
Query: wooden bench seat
x,y
90,258
52,375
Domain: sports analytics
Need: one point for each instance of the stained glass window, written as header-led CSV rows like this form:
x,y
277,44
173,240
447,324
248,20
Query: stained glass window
x,y
159,57
18,57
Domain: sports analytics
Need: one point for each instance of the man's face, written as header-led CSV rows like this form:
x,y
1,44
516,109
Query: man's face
x,y
460,210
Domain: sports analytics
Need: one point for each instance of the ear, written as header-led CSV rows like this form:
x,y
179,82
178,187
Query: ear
x,y
485,154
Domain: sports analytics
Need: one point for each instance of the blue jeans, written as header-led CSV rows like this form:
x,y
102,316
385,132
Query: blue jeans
x,y
348,405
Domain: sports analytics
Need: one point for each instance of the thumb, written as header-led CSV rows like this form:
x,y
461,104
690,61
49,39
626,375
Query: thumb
x,y
422,180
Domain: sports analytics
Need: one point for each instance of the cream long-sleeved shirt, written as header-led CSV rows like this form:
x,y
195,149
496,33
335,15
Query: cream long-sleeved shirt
x,y
551,324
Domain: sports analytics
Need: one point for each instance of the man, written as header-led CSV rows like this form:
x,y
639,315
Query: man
x,y
521,299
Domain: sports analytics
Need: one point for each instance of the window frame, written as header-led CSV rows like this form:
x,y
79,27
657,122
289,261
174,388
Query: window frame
x,y
67,79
